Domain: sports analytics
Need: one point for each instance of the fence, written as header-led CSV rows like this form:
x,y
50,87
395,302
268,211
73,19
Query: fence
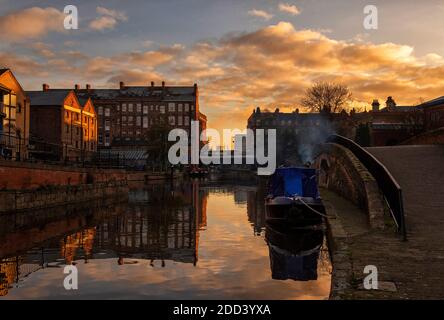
x,y
387,184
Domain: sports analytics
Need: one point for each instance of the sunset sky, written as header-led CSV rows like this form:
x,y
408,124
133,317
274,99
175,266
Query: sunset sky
x,y
241,53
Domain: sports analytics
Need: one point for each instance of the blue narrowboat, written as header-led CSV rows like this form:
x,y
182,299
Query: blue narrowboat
x,y
293,197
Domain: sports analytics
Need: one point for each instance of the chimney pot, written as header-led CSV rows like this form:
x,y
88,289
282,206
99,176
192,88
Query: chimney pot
x,y
45,87
88,86
152,83
163,84
122,85
76,87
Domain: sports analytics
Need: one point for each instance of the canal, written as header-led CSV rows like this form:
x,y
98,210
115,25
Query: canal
x,y
187,240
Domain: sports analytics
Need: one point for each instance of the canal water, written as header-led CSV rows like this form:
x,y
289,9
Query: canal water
x,y
192,240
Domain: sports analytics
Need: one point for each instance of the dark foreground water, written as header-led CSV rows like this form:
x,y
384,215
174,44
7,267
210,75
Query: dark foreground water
x,y
188,241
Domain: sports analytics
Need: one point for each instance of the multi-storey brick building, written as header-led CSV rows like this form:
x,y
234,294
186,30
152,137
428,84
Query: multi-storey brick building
x,y
127,115
14,117
63,126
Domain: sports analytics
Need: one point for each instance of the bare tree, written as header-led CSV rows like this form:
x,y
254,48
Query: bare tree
x,y
326,97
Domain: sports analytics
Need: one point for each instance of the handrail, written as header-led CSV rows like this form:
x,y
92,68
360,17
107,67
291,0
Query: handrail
x,y
387,183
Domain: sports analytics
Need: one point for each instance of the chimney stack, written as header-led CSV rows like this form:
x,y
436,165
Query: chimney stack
x,y
88,87
122,85
152,83
375,105
45,87
76,87
163,84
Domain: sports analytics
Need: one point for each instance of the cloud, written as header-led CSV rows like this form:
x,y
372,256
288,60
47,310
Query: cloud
x,y
108,19
31,23
289,8
268,67
260,14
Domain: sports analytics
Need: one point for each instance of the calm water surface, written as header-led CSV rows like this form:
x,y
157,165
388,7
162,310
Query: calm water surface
x,y
187,241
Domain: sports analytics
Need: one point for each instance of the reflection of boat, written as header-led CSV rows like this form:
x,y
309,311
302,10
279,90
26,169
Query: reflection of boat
x,y
293,196
293,253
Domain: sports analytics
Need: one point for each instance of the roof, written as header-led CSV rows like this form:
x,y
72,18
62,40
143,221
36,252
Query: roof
x,y
166,93
435,102
3,71
400,109
48,98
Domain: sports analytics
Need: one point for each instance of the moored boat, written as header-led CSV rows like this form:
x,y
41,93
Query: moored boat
x,y
293,197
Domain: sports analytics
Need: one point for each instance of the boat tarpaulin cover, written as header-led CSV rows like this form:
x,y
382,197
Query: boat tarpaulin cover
x,y
290,182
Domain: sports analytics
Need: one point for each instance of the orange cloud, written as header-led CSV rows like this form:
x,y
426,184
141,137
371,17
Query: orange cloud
x,y
31,23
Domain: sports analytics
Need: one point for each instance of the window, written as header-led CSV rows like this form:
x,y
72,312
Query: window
x,y
186,121
107,125
130,107
100,110
139,107
138,132
138,121
172,120
107,112
77,144
77,131
100,139
130,120
124,107
145,109
13,100
162,109
118,107
179,107
145,122
107,140
171,107
192,107
151,107
179,120
187,107
67,128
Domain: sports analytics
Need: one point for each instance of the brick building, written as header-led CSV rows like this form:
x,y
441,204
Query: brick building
x,y
433,113
14,117
128,115
63,126
393,124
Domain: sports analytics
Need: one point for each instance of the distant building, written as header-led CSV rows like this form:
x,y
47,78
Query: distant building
x,y
63,126
433,113
393,124
14,117
128,115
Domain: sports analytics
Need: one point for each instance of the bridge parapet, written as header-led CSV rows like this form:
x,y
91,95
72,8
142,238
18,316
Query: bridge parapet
x,y
342,172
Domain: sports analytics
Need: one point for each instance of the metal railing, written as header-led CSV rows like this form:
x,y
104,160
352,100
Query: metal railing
x,y
386,182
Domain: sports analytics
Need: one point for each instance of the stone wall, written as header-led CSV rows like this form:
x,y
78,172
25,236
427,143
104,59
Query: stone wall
x,y
23,175
17,200
341,172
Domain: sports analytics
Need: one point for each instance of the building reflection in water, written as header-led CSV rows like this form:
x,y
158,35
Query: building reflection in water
x,y
160,223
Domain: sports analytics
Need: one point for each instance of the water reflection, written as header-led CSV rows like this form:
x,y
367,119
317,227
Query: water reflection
x,y
164,228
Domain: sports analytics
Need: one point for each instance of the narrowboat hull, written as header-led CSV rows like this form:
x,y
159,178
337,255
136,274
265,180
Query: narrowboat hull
x,y
309,211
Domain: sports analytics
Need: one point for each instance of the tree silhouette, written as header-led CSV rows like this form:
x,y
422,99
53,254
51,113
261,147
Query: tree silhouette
x,y
326,97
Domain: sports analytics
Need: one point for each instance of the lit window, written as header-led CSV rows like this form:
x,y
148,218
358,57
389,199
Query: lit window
x,y
130,107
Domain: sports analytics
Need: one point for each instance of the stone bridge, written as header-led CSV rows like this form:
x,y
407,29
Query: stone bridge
x,y
412,269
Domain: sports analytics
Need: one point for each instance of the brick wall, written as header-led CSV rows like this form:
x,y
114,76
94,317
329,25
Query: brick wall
x,y
431,137
19,175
